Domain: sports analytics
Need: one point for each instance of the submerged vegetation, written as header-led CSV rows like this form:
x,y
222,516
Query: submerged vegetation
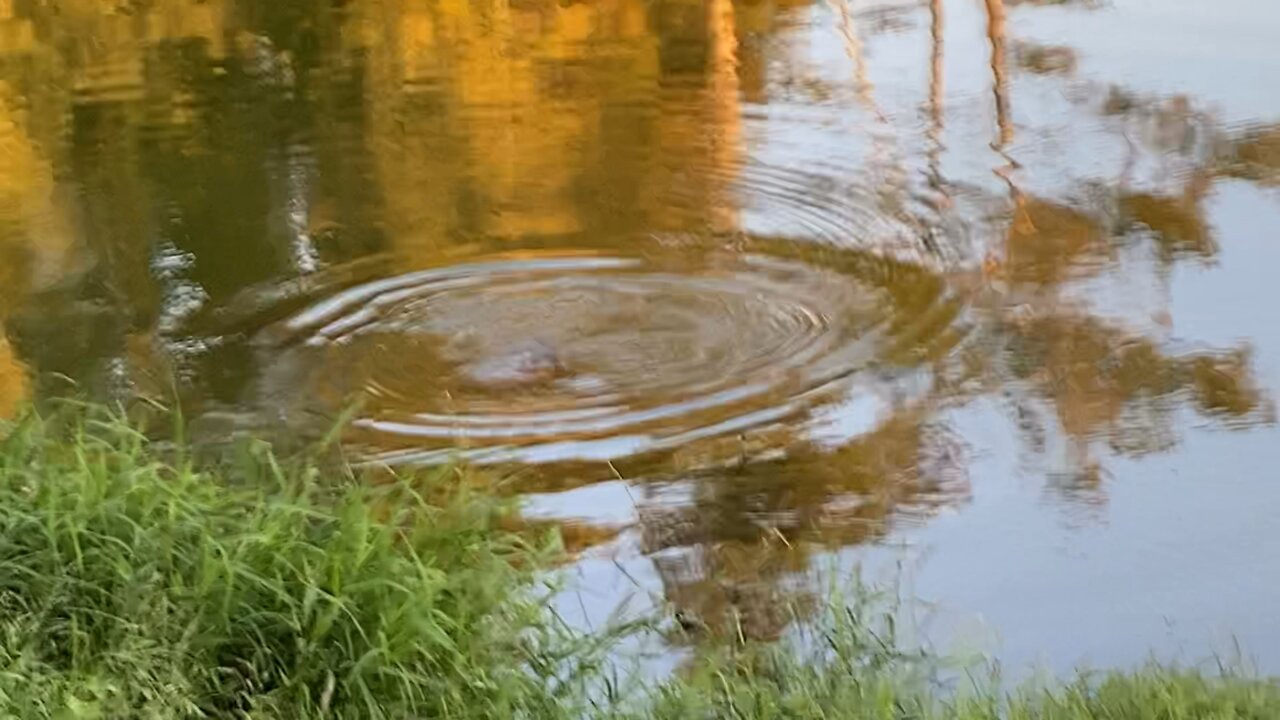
x,y
138,582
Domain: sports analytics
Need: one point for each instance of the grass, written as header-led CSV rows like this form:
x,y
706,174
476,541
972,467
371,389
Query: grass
x,y
138,583
135,585
851,675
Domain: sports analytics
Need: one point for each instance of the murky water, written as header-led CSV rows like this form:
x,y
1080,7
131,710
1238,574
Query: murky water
x,y
980,287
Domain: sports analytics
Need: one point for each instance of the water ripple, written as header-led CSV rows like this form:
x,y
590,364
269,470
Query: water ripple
x,y
584,355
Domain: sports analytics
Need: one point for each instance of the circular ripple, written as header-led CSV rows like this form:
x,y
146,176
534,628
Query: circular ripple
x,y
548,358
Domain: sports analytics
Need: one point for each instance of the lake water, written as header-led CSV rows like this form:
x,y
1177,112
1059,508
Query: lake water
x,y
969,292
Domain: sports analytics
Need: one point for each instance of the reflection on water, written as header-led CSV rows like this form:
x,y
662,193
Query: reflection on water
x,y
753,258
590,348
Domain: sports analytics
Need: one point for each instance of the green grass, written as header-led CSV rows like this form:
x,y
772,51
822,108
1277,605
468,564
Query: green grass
x,y
137,583
134,585
853,673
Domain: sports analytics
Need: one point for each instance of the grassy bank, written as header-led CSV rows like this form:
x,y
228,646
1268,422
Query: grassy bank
x,y
133,584
136,583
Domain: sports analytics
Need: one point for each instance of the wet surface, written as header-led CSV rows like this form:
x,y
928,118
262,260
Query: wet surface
x,y
589,357
978,288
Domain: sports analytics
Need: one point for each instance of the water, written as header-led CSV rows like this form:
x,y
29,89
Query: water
x,y
970,291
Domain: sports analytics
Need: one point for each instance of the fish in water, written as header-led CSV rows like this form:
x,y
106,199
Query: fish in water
x,y
523,365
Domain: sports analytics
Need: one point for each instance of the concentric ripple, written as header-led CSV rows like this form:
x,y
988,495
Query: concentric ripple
x,y
548,358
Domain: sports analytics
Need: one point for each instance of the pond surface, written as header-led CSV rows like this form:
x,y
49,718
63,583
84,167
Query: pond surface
x,y
976,289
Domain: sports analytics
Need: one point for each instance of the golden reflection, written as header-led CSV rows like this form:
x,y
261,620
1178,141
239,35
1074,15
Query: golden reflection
x,y
1048,243
34,238
14,386
502,110
235,163
726,120
1176,224
16,35
1105,383
1255,155
728,558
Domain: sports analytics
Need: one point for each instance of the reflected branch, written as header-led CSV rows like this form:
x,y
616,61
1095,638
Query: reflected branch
x,y
999,70
853,47
936,98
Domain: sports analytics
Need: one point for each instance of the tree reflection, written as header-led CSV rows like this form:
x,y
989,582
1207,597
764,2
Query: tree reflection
x,y
1103,382
1049,243
1044,59
732,558
178,175
1254,155
35,245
